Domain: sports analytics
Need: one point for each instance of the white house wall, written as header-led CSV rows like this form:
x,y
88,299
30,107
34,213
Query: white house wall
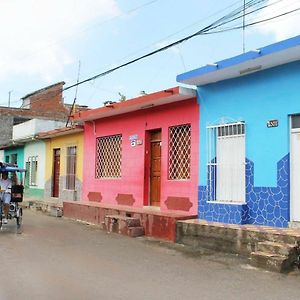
x,y
2,155
37,148
34,126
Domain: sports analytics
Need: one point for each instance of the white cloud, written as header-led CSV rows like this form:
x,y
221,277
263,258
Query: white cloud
x,y
32,31
283,27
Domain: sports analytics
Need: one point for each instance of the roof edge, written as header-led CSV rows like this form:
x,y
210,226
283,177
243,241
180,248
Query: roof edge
x,y
43,89
137,103
239,59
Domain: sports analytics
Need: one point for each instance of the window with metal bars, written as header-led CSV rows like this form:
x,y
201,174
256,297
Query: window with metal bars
x,y
108,156
31,167
226,162
180,152
71,167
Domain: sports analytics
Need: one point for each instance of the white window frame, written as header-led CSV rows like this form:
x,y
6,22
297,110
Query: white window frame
x,y
32,162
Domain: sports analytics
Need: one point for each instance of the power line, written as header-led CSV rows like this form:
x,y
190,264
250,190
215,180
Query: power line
x,y
179,31
223,20
254,23
246,14
220,21
232,16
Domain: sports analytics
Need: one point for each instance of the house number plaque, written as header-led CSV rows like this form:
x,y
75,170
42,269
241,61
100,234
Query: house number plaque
x,y
272,123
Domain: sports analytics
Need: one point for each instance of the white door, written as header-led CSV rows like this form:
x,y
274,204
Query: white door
x,y
231,164
295,175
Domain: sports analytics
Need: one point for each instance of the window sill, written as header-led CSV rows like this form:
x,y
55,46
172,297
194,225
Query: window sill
x,y
109,178
179,180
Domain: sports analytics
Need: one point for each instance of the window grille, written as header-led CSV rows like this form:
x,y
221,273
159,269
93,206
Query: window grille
x,y
226,162
71,167
180,152
31,167
108,156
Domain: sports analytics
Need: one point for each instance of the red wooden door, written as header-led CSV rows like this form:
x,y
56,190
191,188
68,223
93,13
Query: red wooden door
x,y
155,167
55,176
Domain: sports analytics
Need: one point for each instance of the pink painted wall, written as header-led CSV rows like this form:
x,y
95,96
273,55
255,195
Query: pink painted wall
x,y
133,158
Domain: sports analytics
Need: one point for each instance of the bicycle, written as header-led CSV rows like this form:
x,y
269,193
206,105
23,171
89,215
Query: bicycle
x,y
15,211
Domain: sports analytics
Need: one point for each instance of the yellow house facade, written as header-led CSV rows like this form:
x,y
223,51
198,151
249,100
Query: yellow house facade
x,y
64,163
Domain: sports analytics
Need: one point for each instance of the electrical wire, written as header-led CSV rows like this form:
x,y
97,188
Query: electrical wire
x,y
178,31
254,23
223,20
232,16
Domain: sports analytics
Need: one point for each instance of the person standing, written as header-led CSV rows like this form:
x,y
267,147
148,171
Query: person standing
x,y
5,194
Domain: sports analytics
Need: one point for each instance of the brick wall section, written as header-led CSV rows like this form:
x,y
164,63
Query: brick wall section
x,y
30,114
46,103
47,99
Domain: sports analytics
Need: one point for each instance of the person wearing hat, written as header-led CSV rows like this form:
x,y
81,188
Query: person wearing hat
x,y
5,194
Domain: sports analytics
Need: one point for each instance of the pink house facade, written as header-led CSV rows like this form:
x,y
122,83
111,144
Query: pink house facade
x,y
140,169
143,152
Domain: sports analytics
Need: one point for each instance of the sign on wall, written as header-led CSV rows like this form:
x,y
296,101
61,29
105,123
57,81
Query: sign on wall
x,y
272,123
134,140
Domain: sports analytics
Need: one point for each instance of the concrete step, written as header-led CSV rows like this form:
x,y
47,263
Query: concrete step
x,y
275,247
123,225
281,238
136,231
271,262
129,221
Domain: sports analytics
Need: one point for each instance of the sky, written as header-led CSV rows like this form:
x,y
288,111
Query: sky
x,y
43,41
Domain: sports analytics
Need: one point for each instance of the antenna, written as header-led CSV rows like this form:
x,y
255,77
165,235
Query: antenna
x,y
75,97
9,94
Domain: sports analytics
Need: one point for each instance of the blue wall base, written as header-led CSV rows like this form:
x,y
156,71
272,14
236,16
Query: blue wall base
x,y
264,205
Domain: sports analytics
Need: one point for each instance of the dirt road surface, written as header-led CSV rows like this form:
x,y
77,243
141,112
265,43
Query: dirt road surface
x,y
56,258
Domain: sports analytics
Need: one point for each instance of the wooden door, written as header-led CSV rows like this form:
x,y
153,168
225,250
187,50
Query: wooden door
x,y
155,167
55,176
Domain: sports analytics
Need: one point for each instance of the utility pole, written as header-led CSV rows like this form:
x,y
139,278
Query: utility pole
x,y
244,13
9,94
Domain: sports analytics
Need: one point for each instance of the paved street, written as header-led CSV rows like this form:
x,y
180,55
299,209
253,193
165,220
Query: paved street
x,y
62,259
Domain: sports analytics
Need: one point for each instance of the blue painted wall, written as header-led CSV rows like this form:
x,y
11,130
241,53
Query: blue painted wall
x,y
255,99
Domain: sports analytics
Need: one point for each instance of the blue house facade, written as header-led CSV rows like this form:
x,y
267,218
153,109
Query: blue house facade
x,y
250,136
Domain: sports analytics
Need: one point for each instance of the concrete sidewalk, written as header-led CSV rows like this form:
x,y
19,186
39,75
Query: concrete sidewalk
x,y
275,249
51,206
